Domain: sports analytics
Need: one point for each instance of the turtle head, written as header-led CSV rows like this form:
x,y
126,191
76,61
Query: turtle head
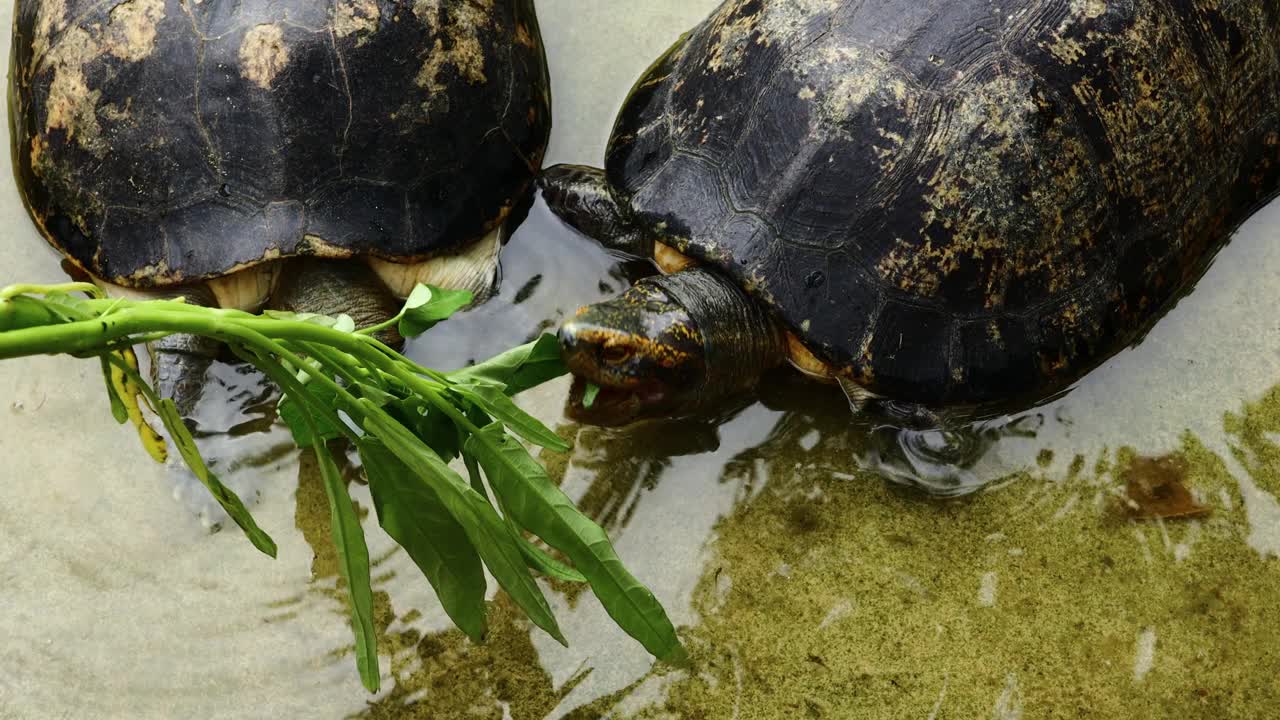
x,y
642,350
671,345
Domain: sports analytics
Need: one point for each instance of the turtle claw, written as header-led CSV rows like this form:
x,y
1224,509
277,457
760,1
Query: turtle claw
x,y
179,364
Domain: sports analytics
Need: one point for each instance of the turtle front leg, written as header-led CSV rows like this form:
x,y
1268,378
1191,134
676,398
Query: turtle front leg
x,y
335,287
580,196
180,362
671,345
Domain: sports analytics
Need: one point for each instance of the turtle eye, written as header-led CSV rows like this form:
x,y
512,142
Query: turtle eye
x,y
616,354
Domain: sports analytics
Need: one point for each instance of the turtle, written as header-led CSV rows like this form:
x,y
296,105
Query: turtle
x,y
309,156
957,206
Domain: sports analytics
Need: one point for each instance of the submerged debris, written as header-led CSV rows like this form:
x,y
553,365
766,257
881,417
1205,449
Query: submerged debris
x,y
1157,488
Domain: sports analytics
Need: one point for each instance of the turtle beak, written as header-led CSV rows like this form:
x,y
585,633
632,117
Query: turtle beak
x,y
572,344
585,348
581,357
594,349
639,353
593,353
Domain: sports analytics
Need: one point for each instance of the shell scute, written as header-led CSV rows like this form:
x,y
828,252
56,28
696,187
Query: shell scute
x,y
916,339
982,352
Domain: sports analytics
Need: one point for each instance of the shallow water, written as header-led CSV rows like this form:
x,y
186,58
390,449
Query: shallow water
x,y
807,585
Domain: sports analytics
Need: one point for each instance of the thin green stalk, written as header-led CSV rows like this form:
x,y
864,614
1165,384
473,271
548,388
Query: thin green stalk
x,y
336,357
294,389
121,345
431,392
390,353
385,325
13,291
337,362
130,320
94,334
358,409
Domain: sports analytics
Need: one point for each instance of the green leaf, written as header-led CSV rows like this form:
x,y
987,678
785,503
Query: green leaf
x,y
321,428
229,501
71,307
494,401
440,432
344,323
420,295
22,312
118,409
432,427
535,557
485,530
424,309
413,515
375,394
353,560
589,395
518,369
473,468
478,417
541,507
539,560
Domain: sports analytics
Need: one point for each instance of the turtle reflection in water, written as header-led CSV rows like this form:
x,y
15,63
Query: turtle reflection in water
x,y
319,157
944,206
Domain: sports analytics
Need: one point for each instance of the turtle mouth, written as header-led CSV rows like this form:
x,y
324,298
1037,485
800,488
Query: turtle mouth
x,y
613,405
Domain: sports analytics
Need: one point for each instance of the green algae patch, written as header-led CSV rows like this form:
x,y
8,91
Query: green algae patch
x,y
1080,616
1033,599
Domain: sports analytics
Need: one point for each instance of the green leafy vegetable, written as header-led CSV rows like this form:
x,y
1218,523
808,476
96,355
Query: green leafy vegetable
x,y
424,309
353,556
589,395
320,429
545,510
341,384
412,514
483,527
494,401
519,369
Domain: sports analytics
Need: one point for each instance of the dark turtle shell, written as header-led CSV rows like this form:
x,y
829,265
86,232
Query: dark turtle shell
x,y
958,201
158,141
